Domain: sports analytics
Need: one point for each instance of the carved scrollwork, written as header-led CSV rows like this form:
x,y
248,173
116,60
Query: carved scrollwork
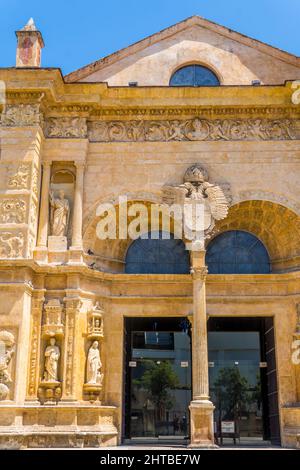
x,y
19,178
12,211
192,129
21,115
66,127
11,244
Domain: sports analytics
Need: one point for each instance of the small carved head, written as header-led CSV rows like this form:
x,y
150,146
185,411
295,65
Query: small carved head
x,y
52,341
95,345
61,194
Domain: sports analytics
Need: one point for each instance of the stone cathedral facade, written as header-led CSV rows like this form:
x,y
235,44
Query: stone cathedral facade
x,y
88,325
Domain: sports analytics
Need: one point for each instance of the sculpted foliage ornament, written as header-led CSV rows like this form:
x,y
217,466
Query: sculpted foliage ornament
x,y
18,179
12,211
192,129
66,127
21,115
11,244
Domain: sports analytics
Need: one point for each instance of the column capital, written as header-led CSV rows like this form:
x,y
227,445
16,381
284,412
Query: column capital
x,y
199,273
80,165
47,164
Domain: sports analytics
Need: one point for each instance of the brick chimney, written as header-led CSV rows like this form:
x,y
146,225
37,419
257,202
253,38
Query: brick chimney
x,y
30,44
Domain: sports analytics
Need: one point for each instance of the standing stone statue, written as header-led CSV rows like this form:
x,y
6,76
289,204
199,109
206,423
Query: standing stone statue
x,y
94,365
52,354
60,211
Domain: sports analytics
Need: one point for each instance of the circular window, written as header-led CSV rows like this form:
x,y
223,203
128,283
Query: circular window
x,y
194,75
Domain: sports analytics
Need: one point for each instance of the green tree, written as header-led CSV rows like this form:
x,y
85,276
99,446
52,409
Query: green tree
x,y
231,390
157,380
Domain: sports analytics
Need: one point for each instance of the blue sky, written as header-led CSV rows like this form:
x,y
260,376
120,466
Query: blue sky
x,y
77,32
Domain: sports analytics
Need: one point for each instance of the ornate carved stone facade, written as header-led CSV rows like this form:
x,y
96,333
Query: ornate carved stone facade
x,y
65,302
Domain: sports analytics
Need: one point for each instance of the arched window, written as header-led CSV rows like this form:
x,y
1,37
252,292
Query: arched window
x,y
157,256
194,75
237,252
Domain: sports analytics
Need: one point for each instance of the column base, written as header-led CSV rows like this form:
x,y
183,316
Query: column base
x,y
202,426
75,255
40,254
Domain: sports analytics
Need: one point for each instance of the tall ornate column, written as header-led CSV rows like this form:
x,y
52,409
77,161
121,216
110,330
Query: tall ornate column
x,y
71,359
76,248
44,213
201,408
35,340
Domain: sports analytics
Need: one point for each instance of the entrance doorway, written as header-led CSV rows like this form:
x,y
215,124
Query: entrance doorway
x,y
157,378
242,378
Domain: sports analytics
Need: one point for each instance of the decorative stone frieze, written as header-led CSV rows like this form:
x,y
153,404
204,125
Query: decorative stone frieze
x,y
66,127
21,115
192,130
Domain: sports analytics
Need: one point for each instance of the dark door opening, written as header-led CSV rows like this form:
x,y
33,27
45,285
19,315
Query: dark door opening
x,y
242,376
157,378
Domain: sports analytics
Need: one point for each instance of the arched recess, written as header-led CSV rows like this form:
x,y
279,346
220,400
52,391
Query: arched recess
x,y
157,253
237,252
276,226
110,254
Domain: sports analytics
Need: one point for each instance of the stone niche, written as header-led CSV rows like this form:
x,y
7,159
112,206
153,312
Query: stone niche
x,y
50,387
61,199
92,388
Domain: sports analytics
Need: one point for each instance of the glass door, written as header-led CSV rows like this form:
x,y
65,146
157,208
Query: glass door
x,y
160,384
235,385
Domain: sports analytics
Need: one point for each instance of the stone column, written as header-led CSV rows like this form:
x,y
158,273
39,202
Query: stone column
x,y
71,353
41,250
76,248
35,340
201,408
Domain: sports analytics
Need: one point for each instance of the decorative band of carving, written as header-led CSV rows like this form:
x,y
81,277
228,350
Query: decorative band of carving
x,y
173,130
193,130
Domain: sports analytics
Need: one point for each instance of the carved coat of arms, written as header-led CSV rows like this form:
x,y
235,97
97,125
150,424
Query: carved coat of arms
x,y
198,193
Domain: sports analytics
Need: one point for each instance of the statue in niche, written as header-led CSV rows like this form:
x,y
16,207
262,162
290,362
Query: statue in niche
x,y
60,211
93,373
52,354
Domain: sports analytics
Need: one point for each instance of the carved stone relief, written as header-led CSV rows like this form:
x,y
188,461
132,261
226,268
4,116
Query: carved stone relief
x,y
21,115
53,319
11,244
12,211
19,178
66,127
192,129
7,343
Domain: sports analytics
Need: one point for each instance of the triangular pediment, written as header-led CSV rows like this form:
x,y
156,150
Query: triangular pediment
x,y
193,33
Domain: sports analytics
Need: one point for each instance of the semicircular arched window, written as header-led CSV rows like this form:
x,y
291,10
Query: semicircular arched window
x,y
157,256
237,252
194,75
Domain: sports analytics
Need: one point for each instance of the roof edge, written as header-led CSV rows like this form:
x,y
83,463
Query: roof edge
x,y
88,69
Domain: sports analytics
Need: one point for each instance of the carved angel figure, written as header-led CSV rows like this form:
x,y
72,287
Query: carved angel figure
x,y
196,190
